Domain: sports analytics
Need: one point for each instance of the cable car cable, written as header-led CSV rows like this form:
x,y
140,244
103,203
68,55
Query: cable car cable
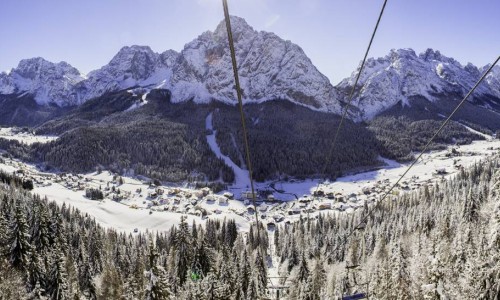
x,y
242,114
370,211
351,95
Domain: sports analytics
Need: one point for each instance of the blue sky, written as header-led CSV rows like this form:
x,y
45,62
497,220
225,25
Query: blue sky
x,y
333,33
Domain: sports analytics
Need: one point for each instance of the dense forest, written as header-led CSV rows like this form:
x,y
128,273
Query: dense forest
x,y
287,139
399,136
167,141
51,252
441,242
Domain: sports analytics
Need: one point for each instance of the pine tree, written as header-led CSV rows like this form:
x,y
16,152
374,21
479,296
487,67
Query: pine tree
x,y
245,272
157,286
471,207
252,290
134,286
201,261
194,231
41,232
20,248
111,285
318,279
276,239
58,277
225,279
401,278
260,272
303,273
85,276
294,259
36,272
183,251
4,237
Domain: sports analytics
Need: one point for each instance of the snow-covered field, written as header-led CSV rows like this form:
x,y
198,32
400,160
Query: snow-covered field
x,y
139,205
121,216
24,137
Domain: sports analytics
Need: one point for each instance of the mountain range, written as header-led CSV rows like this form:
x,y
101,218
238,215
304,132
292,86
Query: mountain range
x,y
269,68
146,113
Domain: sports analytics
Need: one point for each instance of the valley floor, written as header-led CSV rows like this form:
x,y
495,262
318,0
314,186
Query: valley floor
x,y
139,206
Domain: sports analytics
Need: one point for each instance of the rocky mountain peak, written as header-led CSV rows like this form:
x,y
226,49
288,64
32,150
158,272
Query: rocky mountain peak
x,y
35,67
239,27
401,75
49,82
136,62
269,68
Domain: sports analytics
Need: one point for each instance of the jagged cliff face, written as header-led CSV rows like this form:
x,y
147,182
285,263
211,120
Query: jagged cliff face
x,y
49,82
63,85
130,67
403,74
269,68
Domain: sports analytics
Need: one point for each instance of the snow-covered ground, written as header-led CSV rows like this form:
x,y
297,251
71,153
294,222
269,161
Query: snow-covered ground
x,y
121,216
135,207
488,137
425,170
27,138
241,177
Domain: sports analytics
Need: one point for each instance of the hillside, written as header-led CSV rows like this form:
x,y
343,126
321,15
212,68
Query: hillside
x,y
439,242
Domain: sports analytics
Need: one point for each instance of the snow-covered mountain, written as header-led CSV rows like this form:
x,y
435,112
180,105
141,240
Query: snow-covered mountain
x,y
48,82
130,67
493,79
403,74
269,68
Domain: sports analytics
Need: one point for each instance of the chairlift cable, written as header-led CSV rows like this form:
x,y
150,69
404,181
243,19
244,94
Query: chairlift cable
x,y
242,114
351,95
370,211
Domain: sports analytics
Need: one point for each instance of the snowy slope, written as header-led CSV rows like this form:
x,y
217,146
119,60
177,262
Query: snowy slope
x,y
403,74
493,79
241,177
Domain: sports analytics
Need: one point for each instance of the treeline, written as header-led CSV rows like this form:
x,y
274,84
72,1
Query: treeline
x,y
52,252
154,148
17,181
90,113
399,136
442,242
290,140
94,194
167,141
159,140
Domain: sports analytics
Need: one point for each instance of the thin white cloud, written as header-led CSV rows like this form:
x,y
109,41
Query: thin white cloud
x,y
272,20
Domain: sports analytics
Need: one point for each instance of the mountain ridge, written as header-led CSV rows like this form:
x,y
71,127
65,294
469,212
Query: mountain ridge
x,y
269,68
402,74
